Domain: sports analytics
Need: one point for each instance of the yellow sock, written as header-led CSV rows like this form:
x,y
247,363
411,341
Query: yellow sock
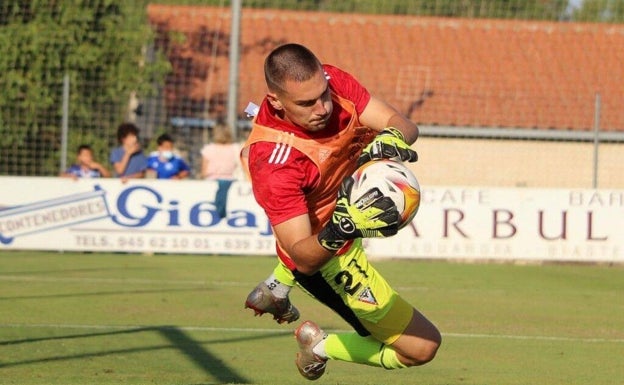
x,y
351,347
389,359
284,275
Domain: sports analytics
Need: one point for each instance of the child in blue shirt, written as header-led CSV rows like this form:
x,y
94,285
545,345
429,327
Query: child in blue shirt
x,y
164,163
86,166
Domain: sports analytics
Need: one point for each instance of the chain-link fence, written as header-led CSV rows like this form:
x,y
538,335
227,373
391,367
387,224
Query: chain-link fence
x,y
501,99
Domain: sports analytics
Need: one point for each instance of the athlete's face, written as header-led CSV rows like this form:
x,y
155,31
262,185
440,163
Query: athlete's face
x,y
306,104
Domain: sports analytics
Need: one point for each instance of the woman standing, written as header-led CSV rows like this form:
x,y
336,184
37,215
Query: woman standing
x,y
220,162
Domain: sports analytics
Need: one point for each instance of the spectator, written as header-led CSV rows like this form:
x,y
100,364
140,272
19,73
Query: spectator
x,y
220,159
85,166
128,159
220,162
164,163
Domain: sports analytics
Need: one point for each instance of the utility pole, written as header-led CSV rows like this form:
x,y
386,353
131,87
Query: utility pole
x,y
232,116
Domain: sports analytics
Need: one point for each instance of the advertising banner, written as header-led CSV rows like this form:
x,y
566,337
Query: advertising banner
x,y
159,216
169,216
513,224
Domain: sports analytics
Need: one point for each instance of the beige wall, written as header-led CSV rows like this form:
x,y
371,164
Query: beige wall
x,y
517,163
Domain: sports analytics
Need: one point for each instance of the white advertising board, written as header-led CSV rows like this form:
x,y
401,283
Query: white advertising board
x,y
513,224
181,217
138,216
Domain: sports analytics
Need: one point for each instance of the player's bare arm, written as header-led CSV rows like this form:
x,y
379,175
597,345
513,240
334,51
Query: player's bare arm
x,y
295,236
379,115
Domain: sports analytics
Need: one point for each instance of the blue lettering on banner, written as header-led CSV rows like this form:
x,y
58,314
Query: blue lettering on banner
x,y
138,207
152,204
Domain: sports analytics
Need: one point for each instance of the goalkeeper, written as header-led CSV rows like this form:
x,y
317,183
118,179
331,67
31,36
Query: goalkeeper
x,y
313,128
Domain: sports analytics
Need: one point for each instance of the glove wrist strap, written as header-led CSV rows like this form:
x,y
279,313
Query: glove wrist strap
x,y
395,132
330,239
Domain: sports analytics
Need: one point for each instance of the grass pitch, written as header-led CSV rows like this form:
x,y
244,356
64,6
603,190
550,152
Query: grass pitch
x,y
164,319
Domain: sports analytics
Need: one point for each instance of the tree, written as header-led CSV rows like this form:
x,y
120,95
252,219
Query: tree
x,y
99,44
606,11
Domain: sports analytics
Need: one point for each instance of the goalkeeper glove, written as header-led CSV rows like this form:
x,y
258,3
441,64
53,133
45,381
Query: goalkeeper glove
x,y
389,144
373,215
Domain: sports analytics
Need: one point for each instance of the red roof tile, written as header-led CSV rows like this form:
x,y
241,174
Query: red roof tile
x,y
456,72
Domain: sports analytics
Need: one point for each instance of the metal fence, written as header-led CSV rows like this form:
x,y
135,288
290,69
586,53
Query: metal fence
x,y
583,158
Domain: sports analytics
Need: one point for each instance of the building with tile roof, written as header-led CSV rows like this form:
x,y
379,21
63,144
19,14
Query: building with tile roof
x,y
502,76
441,72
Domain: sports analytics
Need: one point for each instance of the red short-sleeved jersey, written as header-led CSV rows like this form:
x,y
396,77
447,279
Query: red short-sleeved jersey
x,y
281,180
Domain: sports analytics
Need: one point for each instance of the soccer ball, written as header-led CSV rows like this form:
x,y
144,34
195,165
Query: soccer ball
x,y
393,180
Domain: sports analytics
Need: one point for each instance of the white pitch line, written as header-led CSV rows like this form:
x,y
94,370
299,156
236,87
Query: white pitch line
x,y
261,330
138,281
33,278
537,338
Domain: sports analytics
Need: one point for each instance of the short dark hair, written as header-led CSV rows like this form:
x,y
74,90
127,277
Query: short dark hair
x,y
290,62
126,129
84,147
164,138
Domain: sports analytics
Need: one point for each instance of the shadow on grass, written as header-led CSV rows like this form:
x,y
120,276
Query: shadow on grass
x,y
192,349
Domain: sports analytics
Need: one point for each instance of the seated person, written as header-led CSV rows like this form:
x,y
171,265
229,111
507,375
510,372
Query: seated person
x,y
164,163
128,159
85,166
